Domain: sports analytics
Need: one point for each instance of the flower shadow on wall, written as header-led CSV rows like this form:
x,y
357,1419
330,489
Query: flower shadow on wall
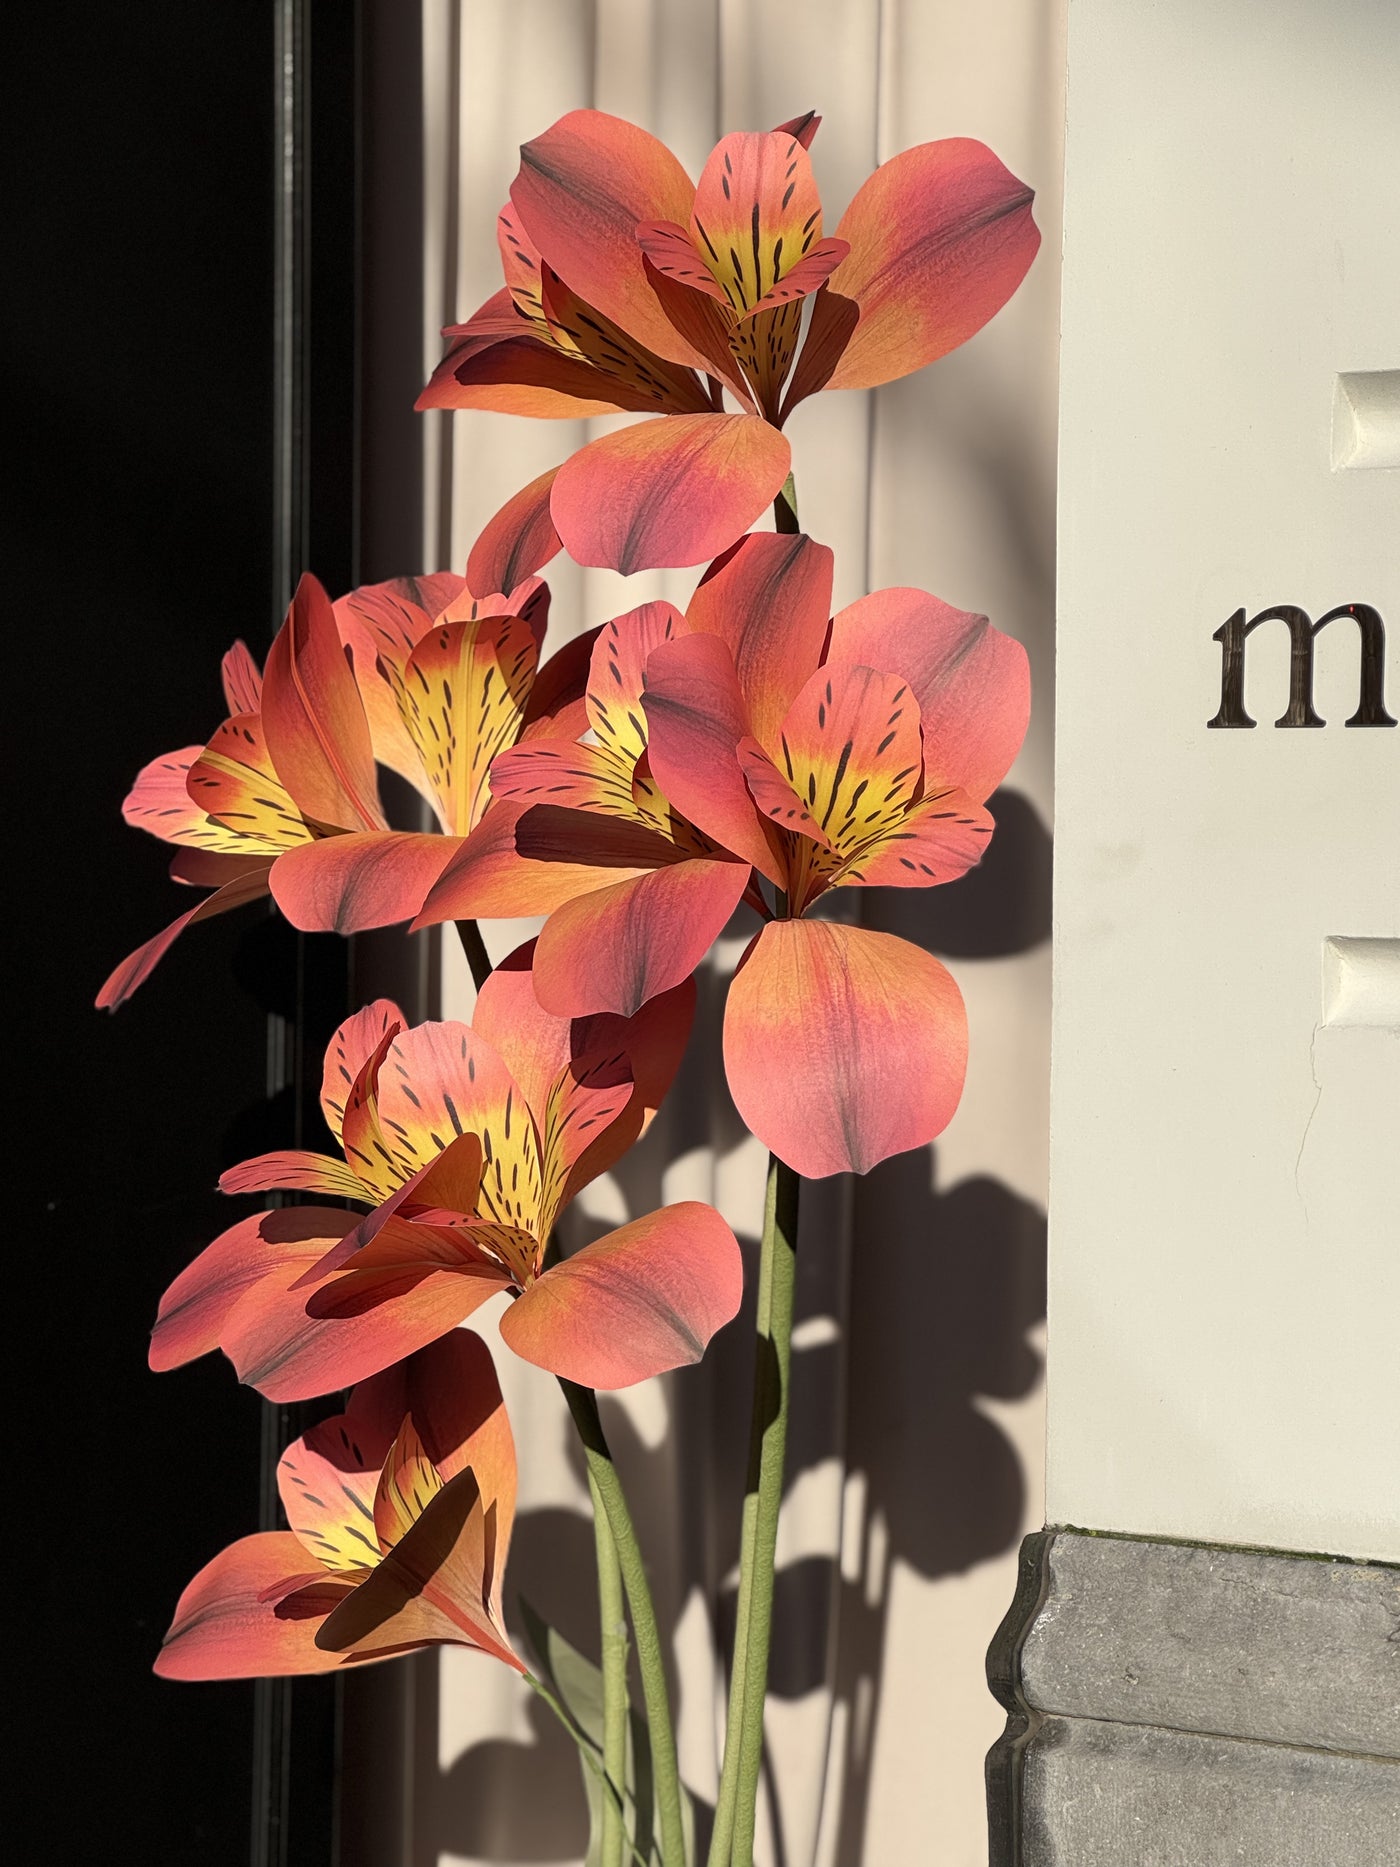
x,y
968,1262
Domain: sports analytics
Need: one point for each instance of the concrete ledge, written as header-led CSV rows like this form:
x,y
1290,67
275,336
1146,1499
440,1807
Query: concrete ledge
x,y
1168,1703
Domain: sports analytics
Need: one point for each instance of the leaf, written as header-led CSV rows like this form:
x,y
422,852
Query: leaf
x,y
577,1685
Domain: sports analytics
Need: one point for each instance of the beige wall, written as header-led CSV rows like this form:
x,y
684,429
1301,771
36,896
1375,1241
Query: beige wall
x,y
1225,1251
917,1456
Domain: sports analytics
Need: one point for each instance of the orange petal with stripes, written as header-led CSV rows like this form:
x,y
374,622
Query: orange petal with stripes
x,y
851,751
462,695
972,682
353,1043
246,805
436,1584
940,837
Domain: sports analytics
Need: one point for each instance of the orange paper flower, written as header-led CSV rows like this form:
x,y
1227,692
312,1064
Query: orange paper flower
x,y
417,675
401,1511
753,737
467,1142
630,289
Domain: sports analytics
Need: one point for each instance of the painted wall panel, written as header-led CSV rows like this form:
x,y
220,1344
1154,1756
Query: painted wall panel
x,y
1225,1161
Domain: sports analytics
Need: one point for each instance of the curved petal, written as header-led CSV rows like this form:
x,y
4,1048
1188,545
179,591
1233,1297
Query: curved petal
x,y
276,1246
641,379
645,1298
700,315
537,1047
617,676
769,599
242,680
327,1481
557,706
292,1343
352,1045
829,330
436,1584
582,188
519,540
443,1081
159,802
940,238
972,682
381,624
568,775
246,805
488,875
524,375
235,1622
372,878
137,967
757,215
614,949
938,839
462,694
674,491
696,718
842,1046
293,1170
450,1391
314,719
850,749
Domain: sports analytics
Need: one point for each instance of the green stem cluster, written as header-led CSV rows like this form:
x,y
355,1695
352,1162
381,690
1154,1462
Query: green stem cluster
x,y
735,1811
604,1482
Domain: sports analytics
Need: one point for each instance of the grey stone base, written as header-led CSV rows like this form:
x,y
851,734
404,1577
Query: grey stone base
x,y
1172,1705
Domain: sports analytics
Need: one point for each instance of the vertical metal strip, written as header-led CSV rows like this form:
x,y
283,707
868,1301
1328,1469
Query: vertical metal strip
x,y
272,1698
452,220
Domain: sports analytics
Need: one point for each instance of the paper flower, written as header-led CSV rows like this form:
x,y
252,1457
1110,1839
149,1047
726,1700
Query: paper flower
x,y
630,289
400,1511
467,1142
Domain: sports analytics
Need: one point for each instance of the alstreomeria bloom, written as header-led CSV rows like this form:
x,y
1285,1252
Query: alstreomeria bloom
x,y
401,1511
467,1142
854,753
285,799
630,289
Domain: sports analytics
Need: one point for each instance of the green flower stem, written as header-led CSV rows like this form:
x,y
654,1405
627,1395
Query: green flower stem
x,y
475,949
602,1473
785,508
612,1626
611,1795
735,1810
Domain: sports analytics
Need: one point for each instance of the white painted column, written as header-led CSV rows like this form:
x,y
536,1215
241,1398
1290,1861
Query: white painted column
x,y
1225,1160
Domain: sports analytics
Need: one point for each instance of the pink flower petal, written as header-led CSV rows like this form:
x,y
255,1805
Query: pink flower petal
x,y
674,491
842,1046
646,1298
972,682
614,949
238,1619
940,238
345,884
